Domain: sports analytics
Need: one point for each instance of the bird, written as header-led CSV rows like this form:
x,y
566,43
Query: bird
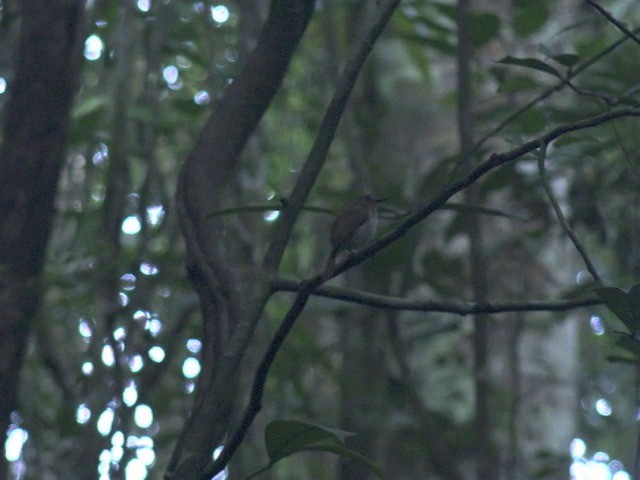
x,y
353,228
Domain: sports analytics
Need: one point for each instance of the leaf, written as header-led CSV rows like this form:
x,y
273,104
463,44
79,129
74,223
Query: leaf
x,y
617,301
420,60
530,16
621,359
532,63
286,437
566,59
532,121
481,210
433,25
633,298
629,343
446,9
89,107
484,27
439,44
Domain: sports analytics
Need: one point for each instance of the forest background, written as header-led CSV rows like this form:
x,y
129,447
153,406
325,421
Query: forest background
x,y
169,172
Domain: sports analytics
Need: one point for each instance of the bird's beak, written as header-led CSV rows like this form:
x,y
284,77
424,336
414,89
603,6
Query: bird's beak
x,y
379,200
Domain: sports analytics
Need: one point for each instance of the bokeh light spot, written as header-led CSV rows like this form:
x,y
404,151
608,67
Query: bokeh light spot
x,y
143,416
191,367
220,14
93,47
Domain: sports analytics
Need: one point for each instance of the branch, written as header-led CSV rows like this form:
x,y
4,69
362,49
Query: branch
x,y
550,91
496,160
265,207
617,23
260,379
395,303
318,154
561,218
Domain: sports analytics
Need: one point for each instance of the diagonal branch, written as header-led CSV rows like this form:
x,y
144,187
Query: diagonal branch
x,y
318,154
494,161
260,379
551,90
459,308
561,218
613,20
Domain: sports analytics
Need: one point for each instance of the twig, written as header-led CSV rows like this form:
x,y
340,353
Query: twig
x,y
260,379
387,302
542,154
609,100
617,23
264,207
550,91
318,154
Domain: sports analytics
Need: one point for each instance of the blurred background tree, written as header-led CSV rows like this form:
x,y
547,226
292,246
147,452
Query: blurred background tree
x,y
523,389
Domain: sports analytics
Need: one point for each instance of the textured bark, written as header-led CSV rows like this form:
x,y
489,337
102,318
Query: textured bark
x,y
35,135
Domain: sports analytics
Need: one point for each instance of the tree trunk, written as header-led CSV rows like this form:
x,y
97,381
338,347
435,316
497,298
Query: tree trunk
x,y
35,136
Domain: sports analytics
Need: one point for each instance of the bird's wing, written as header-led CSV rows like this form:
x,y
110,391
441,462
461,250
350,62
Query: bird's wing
x,y
345,225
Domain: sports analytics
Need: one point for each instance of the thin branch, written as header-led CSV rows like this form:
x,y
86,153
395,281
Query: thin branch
x,y
318,154
550,91
265,207
495,161
387,302
542,154
607,99
260,379
617,23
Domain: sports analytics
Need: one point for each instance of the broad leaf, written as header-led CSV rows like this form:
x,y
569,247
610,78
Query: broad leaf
x,y
484,27
567,59
618,302
532,63
629,343
530,16
633,298
286,437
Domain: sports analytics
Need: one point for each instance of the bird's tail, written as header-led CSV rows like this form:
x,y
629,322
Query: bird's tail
x,y
330,265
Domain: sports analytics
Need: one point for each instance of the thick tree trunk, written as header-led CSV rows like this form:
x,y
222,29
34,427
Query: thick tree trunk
x,y
35,135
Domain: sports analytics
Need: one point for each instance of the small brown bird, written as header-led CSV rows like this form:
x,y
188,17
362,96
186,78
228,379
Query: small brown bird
x,y
353,228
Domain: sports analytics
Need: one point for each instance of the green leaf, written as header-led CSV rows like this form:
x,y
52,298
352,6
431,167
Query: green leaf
x,y
90,106
629,343
621,359
532,121
617,301
420,60
633,297
446,9
433,25
530,16
533,63
286,437
484,27
567,59
481,210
